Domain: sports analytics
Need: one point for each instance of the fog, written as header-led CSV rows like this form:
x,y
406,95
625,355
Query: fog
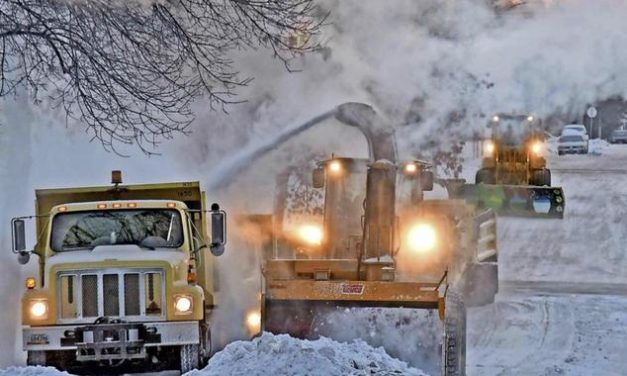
x,y
433,68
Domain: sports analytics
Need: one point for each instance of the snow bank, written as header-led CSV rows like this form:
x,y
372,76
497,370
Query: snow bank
x,y
283,355
597,146
31,371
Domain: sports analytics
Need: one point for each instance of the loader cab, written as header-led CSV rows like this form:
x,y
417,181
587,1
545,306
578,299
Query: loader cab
x,y
513,151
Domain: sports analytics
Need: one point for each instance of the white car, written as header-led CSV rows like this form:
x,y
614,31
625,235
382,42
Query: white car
x,y
571,144
575,129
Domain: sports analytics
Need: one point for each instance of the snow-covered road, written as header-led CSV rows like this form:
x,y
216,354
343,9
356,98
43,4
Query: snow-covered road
x,y
562,307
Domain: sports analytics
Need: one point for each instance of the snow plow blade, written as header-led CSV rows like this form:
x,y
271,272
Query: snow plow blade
x,y
512,200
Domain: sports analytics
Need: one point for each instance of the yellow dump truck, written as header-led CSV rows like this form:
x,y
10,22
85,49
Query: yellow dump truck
x,y
124,277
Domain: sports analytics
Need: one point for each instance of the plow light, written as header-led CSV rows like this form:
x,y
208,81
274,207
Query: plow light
x,y
530,118
422,238
38,309
310,234
495,118
536,148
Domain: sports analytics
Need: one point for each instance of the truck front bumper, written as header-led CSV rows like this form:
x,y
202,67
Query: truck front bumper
x,y
109,338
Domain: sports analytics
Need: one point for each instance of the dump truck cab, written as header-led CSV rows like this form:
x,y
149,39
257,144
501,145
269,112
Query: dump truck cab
x,y
124,279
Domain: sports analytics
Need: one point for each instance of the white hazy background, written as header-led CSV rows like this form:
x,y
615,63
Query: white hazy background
x,y
419,63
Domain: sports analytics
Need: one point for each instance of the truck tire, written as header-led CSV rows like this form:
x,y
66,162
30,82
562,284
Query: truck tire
x,y
190,358
485,176
541,177
36,358
454,342
481,284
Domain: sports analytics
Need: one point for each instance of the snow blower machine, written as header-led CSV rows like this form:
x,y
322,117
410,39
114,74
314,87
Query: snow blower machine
x,y
513,179
360,234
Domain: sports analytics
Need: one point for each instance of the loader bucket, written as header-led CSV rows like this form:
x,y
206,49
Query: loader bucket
x,y
514,200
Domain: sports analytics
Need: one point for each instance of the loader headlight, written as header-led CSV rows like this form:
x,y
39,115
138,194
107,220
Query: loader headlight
x,y
489,148
422,238
183,304
310,234
38,309
536,148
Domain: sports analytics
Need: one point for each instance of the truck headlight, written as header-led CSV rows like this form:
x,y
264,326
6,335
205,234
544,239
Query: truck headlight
x,y
311,234
422,238
38,309
183,304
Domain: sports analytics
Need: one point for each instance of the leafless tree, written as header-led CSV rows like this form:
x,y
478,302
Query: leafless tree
x,y
131,69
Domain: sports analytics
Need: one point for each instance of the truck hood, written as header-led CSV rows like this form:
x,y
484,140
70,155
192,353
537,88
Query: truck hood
x,y
125,252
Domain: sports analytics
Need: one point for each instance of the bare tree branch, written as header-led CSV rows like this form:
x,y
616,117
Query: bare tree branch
x,y
131,70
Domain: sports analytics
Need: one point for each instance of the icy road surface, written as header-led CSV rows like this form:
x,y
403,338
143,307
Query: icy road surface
x,y
562,307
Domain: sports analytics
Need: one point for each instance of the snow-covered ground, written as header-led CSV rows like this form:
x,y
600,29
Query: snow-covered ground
x,y
562,308
589,244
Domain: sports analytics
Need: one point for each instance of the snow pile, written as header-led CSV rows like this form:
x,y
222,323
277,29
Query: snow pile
x,y
597,146
284,355
32,371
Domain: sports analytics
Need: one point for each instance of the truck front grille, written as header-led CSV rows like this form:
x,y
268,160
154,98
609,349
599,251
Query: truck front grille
x,y
129,294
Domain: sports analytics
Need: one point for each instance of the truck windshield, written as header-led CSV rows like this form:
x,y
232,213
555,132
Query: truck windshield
x,y
149,228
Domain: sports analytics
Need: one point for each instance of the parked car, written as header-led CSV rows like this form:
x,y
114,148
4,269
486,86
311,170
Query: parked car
x,y
618,136
572,144
575,129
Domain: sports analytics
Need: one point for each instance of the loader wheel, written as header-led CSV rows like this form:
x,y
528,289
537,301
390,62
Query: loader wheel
x,y
190,357
541,177
481,284
454,344
485,176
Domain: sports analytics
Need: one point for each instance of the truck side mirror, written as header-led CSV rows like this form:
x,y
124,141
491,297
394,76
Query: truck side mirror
x,y
318,177
426,180
18,235
218,230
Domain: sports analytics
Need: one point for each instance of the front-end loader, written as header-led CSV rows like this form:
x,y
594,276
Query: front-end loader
x,y
513,179
369,239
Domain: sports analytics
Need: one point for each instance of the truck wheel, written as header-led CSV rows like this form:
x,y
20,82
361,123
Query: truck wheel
x,y
481,284
190,357
541,177
485,176
454,343
36,358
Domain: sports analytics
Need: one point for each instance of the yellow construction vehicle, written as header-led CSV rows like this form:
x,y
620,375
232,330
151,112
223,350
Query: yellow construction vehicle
x,y
368,239
513,179
123,279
